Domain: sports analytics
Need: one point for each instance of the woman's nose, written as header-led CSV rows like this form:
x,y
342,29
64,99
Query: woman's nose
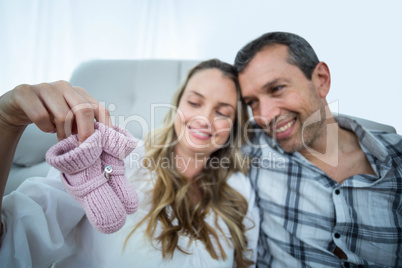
x,y
203,118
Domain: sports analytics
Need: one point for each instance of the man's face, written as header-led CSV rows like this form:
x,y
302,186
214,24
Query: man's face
x,y
281,98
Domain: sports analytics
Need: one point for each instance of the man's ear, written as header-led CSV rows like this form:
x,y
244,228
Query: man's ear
x,y
321,79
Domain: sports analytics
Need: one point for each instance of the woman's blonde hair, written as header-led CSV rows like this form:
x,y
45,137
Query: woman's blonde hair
x,y
171,198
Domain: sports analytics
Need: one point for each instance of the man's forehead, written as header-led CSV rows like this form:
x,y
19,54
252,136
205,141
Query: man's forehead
x,y
269,56
264,62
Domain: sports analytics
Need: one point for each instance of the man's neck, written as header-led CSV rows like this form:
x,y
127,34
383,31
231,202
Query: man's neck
x,y
325,147
340,155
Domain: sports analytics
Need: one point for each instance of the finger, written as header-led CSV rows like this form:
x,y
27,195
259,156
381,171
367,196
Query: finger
x,y
58,108
30,109
81,110
102,115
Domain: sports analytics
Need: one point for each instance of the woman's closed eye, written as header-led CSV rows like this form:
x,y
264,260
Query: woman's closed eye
x,y
223,114
194,104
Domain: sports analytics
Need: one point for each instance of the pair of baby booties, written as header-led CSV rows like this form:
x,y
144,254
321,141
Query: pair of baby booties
x,y
93,173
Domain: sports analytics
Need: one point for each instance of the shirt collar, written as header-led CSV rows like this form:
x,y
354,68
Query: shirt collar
x,y
367,140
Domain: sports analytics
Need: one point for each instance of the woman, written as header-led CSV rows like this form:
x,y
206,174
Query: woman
x,y
198,211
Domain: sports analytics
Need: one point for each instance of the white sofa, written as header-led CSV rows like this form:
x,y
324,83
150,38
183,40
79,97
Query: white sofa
x,y
136,92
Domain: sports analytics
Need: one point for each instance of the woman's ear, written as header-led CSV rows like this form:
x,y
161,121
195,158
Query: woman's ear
x,y
321,79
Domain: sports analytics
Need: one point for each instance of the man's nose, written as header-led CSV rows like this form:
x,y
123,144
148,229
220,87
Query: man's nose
x,y
268,111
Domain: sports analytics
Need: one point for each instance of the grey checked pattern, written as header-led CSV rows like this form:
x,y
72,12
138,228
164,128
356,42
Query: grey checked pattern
x,y
305,214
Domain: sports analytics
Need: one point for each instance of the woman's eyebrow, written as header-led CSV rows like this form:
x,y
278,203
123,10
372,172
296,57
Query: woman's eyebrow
x,y
219,104
226,104
196,93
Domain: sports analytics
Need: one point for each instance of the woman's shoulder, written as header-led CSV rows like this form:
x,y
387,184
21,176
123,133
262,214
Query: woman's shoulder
x,y
241,183
238,178
138,175
134,162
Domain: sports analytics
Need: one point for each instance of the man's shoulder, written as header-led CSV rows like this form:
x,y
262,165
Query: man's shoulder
x,y
387,137
389,140
384,145
392,143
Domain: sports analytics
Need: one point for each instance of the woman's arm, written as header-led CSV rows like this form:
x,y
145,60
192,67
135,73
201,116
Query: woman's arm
x,y
8,143
54,107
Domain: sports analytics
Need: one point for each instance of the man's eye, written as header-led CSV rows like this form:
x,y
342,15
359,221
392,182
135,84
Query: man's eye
x,y
252,104
277,88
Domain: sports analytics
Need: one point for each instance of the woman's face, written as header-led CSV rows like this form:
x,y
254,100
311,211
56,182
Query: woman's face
x,y
206,113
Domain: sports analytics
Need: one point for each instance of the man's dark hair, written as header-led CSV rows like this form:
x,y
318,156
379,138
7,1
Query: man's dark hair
x,y
300,51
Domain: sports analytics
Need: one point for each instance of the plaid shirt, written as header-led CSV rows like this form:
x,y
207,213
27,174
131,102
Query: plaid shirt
x,y
305,214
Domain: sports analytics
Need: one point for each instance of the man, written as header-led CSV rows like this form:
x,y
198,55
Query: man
x,y
329,190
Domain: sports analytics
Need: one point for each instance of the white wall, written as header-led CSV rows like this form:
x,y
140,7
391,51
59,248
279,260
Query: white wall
x,y
361,41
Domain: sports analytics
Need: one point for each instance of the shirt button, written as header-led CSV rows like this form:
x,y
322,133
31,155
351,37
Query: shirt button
x,y
337,191
337,235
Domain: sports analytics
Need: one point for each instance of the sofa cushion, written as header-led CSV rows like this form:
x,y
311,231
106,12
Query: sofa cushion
x,y
33,146
136,92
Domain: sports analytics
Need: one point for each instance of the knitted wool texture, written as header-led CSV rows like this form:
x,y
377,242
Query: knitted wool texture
x,y
84,180
117,145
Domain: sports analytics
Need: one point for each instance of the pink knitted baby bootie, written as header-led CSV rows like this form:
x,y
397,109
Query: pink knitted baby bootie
x,y
85,181
117,145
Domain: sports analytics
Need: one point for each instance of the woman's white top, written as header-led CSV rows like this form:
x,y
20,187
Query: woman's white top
x,y
45,227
